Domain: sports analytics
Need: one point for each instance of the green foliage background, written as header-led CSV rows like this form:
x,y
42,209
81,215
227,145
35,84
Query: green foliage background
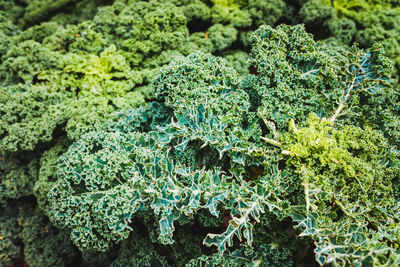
x,y
199,133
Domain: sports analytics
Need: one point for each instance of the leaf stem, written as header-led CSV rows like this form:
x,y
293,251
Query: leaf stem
x,y
346,98
271,141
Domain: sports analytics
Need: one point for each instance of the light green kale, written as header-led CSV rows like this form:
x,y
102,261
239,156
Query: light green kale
x,y
85,200
350,209
103,84
107,75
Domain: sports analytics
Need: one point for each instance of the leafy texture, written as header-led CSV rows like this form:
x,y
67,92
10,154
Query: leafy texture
x,y
350,207
366,22
297,76
27,232
199,133
18,173
47,174
29,116
204,149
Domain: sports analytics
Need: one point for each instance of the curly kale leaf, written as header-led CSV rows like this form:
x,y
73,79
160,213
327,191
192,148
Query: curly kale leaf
x,y
108,74
107,178
230,12
350,208
29,115
296,75
265,12
18,174
96,197
222,36
142,29
314,12
47,175
44,245
27,60
27,233
204,79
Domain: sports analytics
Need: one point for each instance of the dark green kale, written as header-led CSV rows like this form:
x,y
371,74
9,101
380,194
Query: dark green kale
x,y
364,22
44,245
29,116
296,75
27,61
138,250
47,174
18,174
145,148
10,249
27,235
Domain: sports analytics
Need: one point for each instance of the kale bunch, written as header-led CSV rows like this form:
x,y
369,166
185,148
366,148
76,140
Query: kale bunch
x,y
99,66
348,175
216,144
199,133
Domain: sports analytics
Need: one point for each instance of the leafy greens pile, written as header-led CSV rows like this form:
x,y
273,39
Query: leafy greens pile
x,y
199,133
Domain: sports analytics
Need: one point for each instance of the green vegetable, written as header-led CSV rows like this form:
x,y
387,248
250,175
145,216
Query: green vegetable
x,y
199,133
